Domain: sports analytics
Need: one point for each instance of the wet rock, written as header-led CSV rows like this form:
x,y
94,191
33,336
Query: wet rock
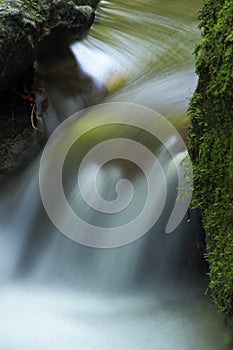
x,y
20,143
27,27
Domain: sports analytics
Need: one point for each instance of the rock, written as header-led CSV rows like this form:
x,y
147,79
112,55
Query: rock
x,y
28,31
27,27
20,143
211,146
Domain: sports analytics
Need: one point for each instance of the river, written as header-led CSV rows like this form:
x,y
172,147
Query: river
x,y
150,294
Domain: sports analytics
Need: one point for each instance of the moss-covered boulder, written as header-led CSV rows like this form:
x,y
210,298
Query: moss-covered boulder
x,y
30,30
211,145
28,26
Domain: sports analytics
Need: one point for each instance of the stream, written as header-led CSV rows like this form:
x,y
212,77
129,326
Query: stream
x,y
149,294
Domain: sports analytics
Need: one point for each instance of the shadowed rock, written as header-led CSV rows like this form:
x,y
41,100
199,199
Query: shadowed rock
x,y
31,31
27,27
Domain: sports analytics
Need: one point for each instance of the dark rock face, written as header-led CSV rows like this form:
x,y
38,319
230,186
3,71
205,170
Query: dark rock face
x,y
28,30
17,151
27,27
20,143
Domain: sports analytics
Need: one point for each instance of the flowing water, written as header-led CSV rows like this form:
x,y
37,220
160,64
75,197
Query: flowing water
x,y
56,294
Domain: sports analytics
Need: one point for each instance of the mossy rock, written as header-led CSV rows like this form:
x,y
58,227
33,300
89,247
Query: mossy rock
x,y
211,145
27,27
27,30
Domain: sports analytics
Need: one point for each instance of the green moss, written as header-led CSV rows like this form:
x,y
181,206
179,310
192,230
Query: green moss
x,y
211,145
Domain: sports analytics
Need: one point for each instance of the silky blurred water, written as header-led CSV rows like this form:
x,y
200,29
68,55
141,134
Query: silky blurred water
x,y
56,294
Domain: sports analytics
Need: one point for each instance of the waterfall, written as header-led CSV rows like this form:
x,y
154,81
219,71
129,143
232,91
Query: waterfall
x,y
56,293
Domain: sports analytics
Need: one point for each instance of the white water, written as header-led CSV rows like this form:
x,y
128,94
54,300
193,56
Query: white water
x,y
49,319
